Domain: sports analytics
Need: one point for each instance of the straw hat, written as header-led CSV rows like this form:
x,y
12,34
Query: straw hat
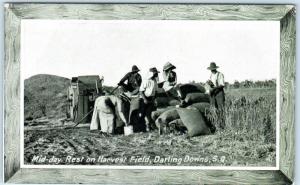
x,y
168,66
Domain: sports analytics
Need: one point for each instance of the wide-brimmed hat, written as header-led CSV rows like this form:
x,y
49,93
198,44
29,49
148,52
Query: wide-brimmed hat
x,y
154,70
212,66
168,66
135,69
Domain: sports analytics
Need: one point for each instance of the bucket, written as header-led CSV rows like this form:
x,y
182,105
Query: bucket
x,y
128,130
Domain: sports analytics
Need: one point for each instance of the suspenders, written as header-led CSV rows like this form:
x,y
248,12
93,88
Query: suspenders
x,y
217,80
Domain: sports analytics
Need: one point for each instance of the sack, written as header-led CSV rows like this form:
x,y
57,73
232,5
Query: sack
x,y
155,114
203,107
196,97
166,101
194,122
166,117
190,88
177,125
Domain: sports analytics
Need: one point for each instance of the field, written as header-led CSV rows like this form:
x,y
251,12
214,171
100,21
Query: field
x,y
247,140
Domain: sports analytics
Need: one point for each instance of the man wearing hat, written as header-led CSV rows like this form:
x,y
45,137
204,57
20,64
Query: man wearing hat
x,y
148,93
216,92
217,86
169,76
133,79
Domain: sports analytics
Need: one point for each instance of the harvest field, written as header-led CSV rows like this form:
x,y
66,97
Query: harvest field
x,y
247,140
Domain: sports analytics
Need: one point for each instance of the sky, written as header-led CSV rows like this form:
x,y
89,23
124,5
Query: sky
x,y
242,49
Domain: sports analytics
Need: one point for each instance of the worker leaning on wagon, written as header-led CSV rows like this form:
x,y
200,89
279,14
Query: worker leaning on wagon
x,y
133,79
148,93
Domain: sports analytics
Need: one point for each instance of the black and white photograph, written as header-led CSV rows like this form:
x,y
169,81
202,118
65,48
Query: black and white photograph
x,y
150,93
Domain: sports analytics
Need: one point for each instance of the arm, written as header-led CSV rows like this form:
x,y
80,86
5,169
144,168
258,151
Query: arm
x,y
142,92
139,79
120,109
175,79
124,79
144,97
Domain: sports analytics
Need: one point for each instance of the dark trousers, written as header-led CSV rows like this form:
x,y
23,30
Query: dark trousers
x,y
148,108
218,101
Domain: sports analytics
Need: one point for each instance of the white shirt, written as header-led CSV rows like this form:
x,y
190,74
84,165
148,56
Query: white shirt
x,y
217,79
149,87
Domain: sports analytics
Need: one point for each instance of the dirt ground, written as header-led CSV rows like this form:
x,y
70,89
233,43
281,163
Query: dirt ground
x,y
75,146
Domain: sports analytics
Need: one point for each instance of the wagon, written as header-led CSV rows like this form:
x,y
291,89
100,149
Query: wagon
x,y
82,92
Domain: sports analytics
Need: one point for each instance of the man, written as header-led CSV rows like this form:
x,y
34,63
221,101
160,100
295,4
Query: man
x,y
148,92
106,111
133,79
216,91
169,76
130,84
217,86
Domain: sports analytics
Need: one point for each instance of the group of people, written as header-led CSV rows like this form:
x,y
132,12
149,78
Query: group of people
x,y
145,91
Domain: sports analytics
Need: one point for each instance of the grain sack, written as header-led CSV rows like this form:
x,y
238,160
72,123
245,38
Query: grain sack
x,y
166,117
196,97
190,88
162,101
155,114
203,107
135,104
174,102
136,108
177,125
194,122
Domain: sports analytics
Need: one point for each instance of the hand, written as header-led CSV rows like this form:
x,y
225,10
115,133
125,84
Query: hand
x,y
145,101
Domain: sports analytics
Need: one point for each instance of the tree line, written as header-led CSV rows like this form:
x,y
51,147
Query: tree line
x,y
247,84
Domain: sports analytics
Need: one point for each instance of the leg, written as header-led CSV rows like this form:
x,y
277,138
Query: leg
x,y
220,103
149,108
213,101
220,100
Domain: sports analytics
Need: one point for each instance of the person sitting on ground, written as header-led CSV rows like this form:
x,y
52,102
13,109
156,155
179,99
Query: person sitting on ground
x,y
148,93
134,81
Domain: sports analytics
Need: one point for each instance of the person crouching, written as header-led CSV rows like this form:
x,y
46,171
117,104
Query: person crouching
x,y
148,92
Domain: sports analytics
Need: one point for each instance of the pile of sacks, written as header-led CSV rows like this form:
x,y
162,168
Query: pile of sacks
x,y
192,119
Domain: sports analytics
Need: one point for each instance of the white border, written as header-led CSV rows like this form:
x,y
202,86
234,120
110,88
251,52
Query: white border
x,y
22,165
